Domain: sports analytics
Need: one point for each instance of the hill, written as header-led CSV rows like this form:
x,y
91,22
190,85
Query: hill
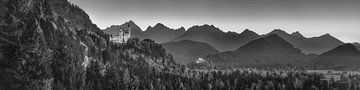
x,y
357,45
186,51
268,50
344,55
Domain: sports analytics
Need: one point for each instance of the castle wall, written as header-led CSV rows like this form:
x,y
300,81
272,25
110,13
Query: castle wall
x,y
122,37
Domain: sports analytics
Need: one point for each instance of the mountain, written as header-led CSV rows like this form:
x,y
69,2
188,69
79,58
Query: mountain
x,y
357,45
271,49
185,51
161,34
297,34
343,55
135,31
46,44
216,38
52,44
315,45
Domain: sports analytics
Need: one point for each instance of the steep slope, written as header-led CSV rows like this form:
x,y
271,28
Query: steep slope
x,y
41,47
185,51
268,50
344,55
78,18
52,44
136,31
216,38
161,34
297,34
315,45
357,45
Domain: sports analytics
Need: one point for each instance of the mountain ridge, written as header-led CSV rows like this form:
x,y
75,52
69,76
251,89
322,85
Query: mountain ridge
x,y
271,49
218,39
343,55
229,41
313,45
162,34
186,51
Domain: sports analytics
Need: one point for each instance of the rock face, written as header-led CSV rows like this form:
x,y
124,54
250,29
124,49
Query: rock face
x,y
216,38
162,34
268,50
186,51
344,55
315,45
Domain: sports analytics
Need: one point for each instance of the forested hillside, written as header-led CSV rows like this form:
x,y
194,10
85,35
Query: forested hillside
x,y
53,45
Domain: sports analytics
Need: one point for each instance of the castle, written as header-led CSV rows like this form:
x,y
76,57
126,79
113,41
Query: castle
x,y
122,36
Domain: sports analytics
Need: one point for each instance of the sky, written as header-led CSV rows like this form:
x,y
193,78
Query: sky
x,y
340,18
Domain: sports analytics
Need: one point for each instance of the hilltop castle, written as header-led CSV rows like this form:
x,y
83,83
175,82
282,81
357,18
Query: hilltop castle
x,y
122,36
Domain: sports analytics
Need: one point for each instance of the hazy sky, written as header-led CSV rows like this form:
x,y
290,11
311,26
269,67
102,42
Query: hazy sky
x,y
340,18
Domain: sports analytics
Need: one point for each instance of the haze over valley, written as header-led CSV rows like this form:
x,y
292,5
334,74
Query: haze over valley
x,y
179,45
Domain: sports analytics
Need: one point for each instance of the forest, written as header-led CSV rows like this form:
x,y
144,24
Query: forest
x,y
52,45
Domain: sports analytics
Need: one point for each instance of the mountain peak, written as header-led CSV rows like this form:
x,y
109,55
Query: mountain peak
x,y
272,40
231,32
346,54
271,49
357,45
181,29
248,32
278,32
159,25
131,22
326,35
205,28
297,34
346,47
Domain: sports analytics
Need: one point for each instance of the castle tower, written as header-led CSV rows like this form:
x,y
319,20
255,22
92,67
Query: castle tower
x,y
122,36
126,34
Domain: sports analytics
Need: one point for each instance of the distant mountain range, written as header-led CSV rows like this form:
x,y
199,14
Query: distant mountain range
x,y
206,33
227,41
271,49
343,55
52,44
161,34
315,45
357,45
245,48
186,51
216,38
